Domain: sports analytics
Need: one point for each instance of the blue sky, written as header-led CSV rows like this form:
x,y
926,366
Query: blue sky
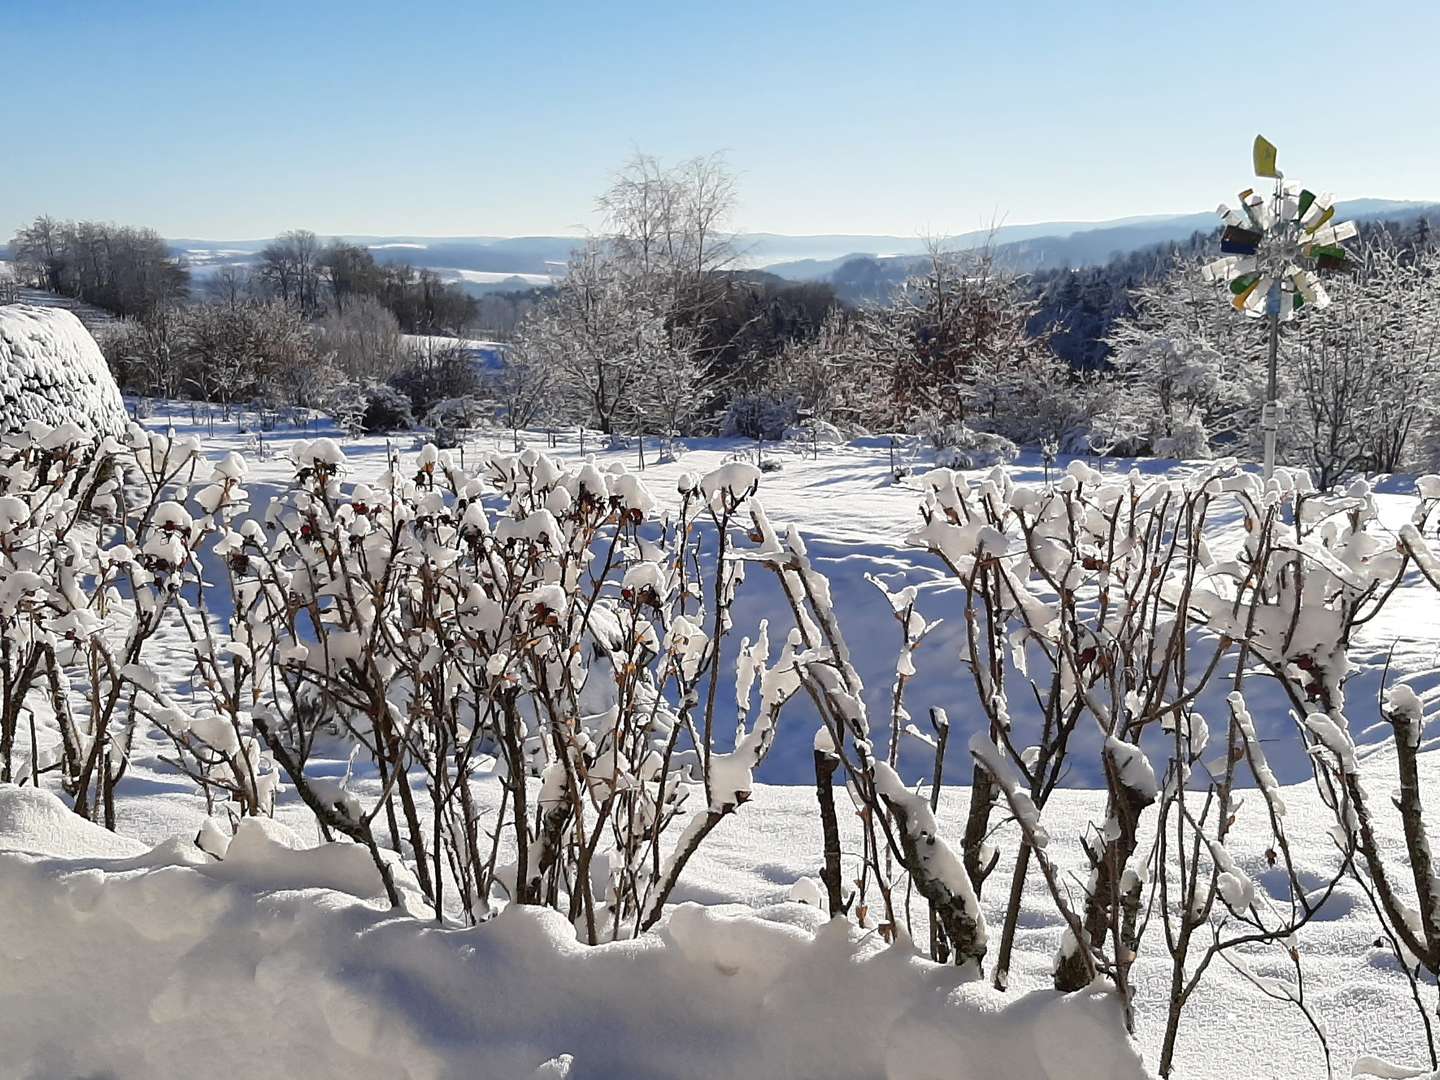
x,y
230,120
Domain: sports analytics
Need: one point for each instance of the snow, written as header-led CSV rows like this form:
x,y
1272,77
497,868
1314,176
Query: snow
x,y
482,353
51,371
1003,770
515,993
164,934
1133,767
939,860
736,479
491,277
186,959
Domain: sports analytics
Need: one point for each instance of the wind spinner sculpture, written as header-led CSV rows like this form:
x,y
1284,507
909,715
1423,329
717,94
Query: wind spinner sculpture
x,y
1272,250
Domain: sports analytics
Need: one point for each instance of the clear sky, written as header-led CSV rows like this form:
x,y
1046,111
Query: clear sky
x,y
231,120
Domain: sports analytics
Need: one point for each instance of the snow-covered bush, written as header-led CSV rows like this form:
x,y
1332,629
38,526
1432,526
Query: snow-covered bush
x,y
757,416
1183,360
452,417
814,431
346,403
1362,376
537,622
977,450
1097,608
561,641
552,640
368,406
52,372
1188,440
386,408
97,551
959,446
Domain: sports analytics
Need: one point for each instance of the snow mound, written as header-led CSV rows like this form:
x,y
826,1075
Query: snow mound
x,y
35,821
815,431
51,371
962,448
180,959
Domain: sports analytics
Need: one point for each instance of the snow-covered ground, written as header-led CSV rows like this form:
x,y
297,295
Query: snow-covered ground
x,y
134,961
494,277
130,963
97,320
167,955
482,353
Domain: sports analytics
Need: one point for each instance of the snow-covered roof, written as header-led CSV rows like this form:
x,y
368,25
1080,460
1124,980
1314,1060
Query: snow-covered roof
x,y
52,371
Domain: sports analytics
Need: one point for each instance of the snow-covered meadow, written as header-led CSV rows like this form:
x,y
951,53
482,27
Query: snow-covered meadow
x,y
184,941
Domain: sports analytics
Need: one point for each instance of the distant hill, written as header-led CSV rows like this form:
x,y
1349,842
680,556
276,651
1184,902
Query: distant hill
x,y
480,263
865,277
858,265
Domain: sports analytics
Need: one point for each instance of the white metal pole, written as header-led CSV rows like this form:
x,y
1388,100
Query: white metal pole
x,y
1270,415
1269,418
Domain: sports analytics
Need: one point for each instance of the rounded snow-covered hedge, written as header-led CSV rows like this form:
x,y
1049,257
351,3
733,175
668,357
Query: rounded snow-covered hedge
x,y
52,371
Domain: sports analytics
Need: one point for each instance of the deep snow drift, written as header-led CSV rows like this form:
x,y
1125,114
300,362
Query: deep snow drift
x,y
51,371
133,963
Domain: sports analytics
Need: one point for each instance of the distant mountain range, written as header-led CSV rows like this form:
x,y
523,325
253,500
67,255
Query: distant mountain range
x,y
1067,244
490,263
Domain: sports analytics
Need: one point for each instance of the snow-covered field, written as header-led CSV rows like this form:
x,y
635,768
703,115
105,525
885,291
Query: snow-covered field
x,y
481,352
138,955
494,277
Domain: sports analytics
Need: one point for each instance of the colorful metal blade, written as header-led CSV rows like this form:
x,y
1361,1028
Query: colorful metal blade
x,y
1320,220
1242,283
1219,270
1230,217
1237,241
1317,211
1239,302
1330,257
1264,155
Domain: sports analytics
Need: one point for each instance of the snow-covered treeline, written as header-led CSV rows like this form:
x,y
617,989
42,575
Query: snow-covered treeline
x,y
1359,379
655,329
552,628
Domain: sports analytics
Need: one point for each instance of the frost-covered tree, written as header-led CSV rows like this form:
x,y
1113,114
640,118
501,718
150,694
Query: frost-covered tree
x,y
524,388
950,334
623,330
1364,372
598,330
363,339
126,270
827,376
670,392
291,266
666,226
1188,369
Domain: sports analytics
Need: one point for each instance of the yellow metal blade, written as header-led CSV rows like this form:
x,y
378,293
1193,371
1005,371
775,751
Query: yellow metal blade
x,y
1265,158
